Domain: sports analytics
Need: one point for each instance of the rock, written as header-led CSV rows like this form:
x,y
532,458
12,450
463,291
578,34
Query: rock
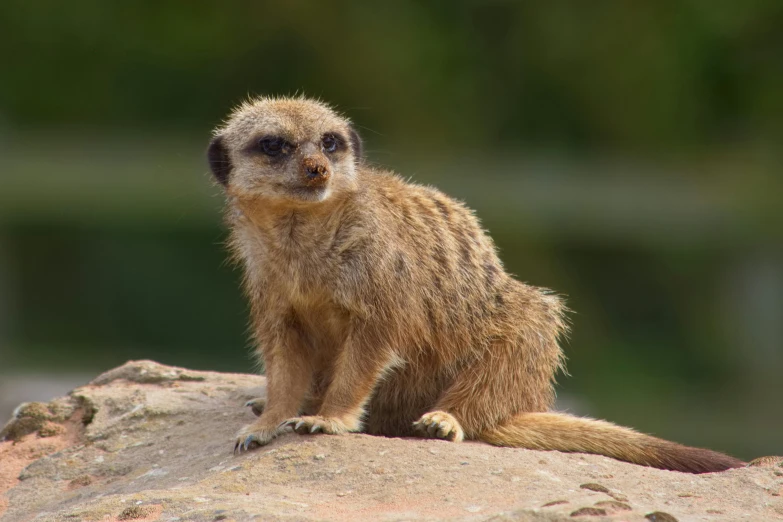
x,y
766,462
150,442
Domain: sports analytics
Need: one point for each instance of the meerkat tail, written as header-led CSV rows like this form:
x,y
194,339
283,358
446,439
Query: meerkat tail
x,y
561,432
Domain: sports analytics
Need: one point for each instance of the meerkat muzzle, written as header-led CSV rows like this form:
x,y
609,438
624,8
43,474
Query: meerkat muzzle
x,y
316,172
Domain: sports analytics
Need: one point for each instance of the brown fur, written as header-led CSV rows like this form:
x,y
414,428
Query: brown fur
x,y
381,306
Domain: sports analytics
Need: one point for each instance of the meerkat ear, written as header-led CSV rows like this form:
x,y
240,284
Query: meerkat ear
x,y
356,145
219,161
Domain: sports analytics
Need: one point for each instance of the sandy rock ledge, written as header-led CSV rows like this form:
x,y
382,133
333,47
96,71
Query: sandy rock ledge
x,y
150,442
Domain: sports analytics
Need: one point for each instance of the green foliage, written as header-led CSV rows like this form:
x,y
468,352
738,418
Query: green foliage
x,y
613,74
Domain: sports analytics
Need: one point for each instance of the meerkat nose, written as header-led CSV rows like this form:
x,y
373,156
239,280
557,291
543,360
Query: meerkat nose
x,y
314,171
314,168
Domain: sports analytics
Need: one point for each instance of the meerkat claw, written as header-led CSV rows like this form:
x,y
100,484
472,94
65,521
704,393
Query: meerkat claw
x,y
439,425
246,444
257,405
307,425
251,439
301,426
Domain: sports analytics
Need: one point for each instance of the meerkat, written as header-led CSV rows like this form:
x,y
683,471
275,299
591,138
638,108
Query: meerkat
x,y
381,306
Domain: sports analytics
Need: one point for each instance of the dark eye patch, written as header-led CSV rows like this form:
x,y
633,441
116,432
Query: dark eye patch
x,y
331,142
272,146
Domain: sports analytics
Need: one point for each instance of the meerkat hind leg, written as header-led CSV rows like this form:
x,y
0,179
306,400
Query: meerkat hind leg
x,y
439,425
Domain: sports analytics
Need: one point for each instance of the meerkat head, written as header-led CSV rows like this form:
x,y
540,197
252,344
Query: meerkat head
x,y
291,150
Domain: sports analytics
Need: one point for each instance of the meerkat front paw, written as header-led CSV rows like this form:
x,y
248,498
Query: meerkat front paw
x,y
439,425
254,435
316,424
257,405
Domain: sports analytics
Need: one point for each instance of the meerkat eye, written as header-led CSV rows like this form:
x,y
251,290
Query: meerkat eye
x,y
273,146
330,143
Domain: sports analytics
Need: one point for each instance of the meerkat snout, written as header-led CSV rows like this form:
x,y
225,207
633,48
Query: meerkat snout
x,y
316,170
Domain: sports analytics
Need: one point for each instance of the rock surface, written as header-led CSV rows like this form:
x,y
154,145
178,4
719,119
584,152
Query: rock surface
x,y
150,442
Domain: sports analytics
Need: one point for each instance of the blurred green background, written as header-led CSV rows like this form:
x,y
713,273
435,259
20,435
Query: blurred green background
x,y
625,154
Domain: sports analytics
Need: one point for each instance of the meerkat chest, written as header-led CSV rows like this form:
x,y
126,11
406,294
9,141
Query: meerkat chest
x,y
292,260
303,275
293,287
299,281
